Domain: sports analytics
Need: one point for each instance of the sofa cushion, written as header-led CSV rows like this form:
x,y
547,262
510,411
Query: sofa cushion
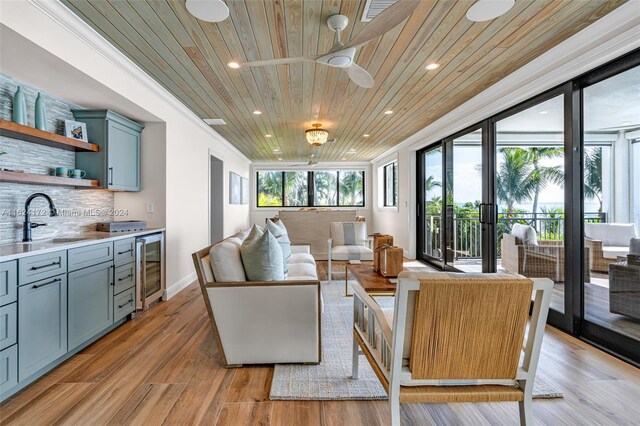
x,y
226,261
301,258
351,253
302,272
280,233
349,233
612,252
525,233
262,258
611,234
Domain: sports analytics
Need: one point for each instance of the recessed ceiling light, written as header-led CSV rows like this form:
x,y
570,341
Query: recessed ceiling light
x,y
484,10
233,65
388,112
208,10
267,136
365,136
277,151
279,158
432,66
256,112
343,159
351,151
543,112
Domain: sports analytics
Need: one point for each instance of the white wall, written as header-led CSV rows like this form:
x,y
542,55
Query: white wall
x,y
259,215
69,40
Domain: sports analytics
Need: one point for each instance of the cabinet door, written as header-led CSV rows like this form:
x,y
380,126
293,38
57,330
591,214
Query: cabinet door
x,y
42,324
90,302
123,157
8,282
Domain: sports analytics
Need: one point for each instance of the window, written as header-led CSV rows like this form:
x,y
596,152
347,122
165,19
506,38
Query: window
x,y
310,188
390,181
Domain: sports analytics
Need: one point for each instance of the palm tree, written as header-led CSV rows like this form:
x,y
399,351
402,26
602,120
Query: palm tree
x,y
514,180
543,175
593,174
269,189
350,188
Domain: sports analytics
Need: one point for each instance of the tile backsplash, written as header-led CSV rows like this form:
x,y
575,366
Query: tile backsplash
x,y
80,209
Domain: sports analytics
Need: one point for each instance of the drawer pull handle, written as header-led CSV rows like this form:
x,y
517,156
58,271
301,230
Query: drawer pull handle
x,y
122,306
124,278
46,284
35,268
126,251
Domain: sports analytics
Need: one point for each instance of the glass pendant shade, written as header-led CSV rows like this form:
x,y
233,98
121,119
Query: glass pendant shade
x,y
317,136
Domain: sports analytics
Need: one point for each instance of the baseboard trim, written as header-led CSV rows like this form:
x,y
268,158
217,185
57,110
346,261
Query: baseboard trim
x,y
179,286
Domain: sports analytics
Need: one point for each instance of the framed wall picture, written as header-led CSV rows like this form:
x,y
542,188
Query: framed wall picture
x,y
75,130
235,189
245,191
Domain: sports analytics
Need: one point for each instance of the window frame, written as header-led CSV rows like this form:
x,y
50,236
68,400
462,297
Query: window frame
x,y
394,165
311,189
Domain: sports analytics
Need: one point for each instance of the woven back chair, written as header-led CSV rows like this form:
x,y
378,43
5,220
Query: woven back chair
x,y
454,338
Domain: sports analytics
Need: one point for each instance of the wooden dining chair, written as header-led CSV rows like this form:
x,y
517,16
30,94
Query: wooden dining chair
x,y
454,338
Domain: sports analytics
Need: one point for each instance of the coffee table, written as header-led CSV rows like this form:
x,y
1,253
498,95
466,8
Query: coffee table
x,y
372,282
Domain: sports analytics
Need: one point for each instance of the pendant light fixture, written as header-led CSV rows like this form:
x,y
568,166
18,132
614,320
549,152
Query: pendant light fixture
x,y
316,136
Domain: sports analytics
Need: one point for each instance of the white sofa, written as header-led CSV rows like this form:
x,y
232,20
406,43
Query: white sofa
x,y
608,241
261,322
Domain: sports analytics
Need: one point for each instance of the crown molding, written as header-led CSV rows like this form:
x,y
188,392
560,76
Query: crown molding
x,y
72,23
610,37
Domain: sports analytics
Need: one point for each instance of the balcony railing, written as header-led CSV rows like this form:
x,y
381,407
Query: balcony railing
x,y
467,231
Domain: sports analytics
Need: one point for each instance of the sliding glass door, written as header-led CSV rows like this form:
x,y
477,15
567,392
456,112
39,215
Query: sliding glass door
x,y
430,219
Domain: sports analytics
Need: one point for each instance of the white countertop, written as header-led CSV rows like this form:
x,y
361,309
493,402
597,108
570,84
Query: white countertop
x,y
16,250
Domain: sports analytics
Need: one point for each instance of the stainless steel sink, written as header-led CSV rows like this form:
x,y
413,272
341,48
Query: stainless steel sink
x,y
67,240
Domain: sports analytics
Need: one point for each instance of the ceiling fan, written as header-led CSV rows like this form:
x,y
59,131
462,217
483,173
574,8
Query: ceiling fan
x,y
341,55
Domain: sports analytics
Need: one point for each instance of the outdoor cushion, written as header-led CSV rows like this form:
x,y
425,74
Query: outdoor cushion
x,y
351,253
226,261
612,252
525,233
349,233
611,234
262,258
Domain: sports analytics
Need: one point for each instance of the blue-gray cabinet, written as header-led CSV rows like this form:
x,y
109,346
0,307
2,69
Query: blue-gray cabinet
x,y
42,324
117,164
8,282
90,302
8,325
8,368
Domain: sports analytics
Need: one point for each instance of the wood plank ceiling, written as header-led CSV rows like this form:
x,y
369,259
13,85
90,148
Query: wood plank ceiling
x,y
188,57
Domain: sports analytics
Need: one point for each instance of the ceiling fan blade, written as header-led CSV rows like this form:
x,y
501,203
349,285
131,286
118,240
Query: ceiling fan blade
x,y
384,22
280,61
360,76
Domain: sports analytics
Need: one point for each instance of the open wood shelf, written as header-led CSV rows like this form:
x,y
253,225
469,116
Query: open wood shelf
x,y
41,137
17,177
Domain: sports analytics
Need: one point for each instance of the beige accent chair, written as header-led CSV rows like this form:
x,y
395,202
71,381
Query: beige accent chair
x,y
454,338
349,241
607,242
263,322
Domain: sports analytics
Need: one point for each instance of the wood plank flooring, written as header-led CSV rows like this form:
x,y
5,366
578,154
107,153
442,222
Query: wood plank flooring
x,y
162,368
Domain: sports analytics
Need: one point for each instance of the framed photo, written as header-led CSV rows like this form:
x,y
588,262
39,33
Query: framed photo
x,y
75,130
235,189
245,191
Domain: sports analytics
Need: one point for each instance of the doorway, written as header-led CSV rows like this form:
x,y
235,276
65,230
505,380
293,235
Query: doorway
x,y
216,199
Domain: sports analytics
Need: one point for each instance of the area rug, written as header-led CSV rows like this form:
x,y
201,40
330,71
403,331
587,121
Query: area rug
x,y
331,379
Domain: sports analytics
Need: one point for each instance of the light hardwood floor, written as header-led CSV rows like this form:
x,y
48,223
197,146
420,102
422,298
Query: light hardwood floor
x,y
163,368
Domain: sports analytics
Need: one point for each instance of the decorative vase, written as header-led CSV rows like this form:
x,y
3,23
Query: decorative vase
x,y
19,107
40,113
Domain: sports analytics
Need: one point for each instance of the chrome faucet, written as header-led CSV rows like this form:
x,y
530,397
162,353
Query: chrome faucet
x,y
26,227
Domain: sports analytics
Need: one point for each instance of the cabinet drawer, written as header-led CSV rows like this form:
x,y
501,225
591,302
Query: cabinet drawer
x,y
8,368
8,325
39,267
124,251
8,282
125,278
124,304
82,257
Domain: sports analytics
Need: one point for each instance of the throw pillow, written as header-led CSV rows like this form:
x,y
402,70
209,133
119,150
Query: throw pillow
x,y
525,233
226,262
280,233
255,233
262,258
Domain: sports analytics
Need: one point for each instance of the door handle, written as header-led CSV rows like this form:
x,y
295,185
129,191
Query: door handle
x,y
122,306
124,278
46,284
126,251
110,175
